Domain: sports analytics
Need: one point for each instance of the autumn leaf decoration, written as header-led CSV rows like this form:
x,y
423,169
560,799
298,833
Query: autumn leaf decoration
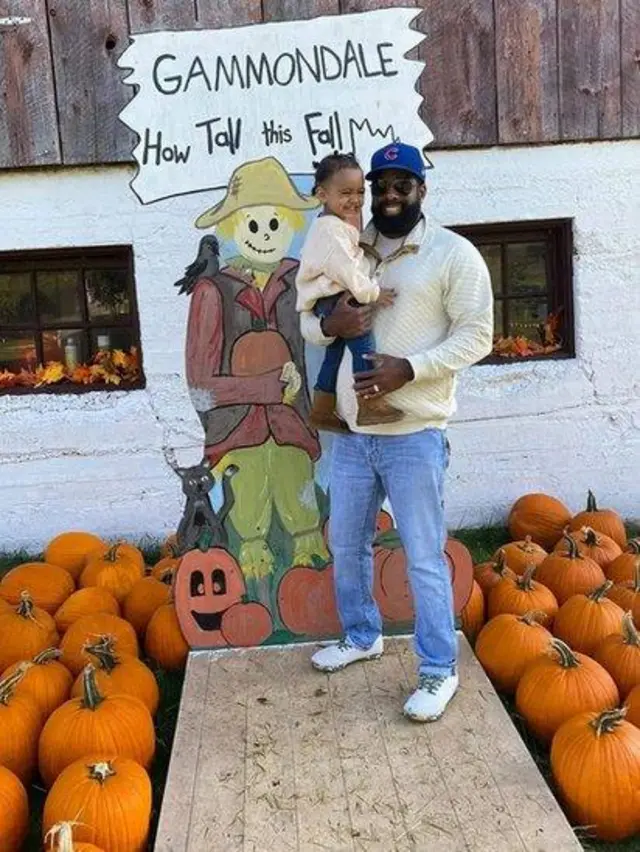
x,y
108,367
522,347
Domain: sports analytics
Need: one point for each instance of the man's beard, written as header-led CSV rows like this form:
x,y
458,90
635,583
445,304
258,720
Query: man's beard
x,y
400,224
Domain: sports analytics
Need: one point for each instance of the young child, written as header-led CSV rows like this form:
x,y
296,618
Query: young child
x,y
332,262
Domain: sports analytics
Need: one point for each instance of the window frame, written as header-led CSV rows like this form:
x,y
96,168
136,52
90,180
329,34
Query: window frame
x,y
74,259
558,234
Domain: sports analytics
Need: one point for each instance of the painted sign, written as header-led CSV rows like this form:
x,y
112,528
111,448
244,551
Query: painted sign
x,y
239,115
209,100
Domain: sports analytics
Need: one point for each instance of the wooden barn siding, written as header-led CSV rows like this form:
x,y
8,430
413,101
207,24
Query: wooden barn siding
x,y
500,72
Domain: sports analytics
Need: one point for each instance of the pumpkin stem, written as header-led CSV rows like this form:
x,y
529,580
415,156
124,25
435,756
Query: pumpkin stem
x,y
630,635
572,546
47,656
533,616
104,651
8,685
25,607
61,834
101,771
598,594
92,698
590,537
525,582
633,546
568,659
591,502
608,720
112,554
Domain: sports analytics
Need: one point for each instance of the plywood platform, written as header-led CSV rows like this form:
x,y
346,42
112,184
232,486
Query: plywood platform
x,y
271,755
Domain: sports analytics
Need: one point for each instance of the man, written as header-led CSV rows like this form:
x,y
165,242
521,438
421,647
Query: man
x,y
441,321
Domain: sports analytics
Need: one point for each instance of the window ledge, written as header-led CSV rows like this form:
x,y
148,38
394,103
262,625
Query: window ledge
x,y
71,388
493,360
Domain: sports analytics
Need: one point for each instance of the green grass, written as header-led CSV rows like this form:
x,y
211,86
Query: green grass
x,y
482,543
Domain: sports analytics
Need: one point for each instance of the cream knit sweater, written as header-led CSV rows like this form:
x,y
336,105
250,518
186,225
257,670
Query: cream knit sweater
x,y
441,321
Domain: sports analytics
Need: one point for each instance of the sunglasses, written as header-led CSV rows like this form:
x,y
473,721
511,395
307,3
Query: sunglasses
x,y
403,186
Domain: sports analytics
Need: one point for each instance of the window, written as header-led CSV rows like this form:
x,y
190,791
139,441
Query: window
x,y
531,274
68,321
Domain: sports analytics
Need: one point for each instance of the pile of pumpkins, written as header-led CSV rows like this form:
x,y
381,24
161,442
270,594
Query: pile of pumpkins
x,y
554,617
77,703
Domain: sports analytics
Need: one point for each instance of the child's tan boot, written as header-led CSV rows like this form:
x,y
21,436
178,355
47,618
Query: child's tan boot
x,y
323,413
377,410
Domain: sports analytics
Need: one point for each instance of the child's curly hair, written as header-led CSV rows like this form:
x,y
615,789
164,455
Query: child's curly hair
x,y
329,165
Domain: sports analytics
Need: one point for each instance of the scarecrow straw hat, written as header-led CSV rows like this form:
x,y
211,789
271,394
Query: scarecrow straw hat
x,y
255,183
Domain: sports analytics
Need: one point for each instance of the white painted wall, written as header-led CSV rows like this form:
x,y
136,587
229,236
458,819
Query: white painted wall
x,y
96,460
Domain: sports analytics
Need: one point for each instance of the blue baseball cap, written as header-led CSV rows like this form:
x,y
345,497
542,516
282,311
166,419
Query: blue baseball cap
x,y
397,155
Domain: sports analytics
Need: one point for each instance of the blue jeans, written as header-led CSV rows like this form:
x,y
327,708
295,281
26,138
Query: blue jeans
x,y
358,346
410,470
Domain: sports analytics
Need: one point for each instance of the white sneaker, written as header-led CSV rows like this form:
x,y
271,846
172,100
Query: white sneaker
x,y
430,699
336,657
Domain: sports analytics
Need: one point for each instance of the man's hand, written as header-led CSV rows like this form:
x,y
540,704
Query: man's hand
x,y
348,319
388,374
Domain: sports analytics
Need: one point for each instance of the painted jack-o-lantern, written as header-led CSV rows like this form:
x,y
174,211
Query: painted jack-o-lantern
x,y
206,586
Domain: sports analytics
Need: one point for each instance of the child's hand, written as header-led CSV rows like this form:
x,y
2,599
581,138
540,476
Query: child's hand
x,y
386,298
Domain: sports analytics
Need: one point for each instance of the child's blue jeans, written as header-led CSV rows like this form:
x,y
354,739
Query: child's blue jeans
x,y
358,346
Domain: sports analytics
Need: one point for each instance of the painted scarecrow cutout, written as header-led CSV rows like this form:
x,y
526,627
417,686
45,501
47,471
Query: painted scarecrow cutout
x,y
245,369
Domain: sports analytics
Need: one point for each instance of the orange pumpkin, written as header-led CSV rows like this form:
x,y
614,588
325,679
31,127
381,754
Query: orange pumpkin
x,y
627,594
61,839
95,724
123,550
170,546
569,573
25,631
472,616
518,555
585,620
619,653
507,644
595,760
205,585
120,674
557,686
144,599
596,546
46,681
14,811
164,641
87,629
391,585
489,574
48,585
306,601
246,624
517,595
539,516
20,725
116,571
168,564
85,602
258,352
632,705
605,521
70,550
623,568
114,797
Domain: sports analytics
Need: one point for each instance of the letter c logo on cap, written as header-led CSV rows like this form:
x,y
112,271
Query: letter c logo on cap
x,y
391,154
